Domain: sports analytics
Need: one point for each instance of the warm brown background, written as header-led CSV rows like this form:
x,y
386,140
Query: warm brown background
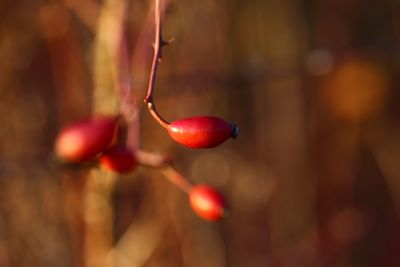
x,y
313,180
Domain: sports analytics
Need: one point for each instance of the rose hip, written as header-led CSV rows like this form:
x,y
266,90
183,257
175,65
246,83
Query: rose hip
x,y
202,131
118,159
208,203
85,139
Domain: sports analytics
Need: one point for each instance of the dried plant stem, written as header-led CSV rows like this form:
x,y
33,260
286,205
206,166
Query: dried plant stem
x,y
158,44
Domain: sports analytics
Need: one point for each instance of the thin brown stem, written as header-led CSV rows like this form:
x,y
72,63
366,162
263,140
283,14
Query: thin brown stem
x,y
156,116
163,163
157,52
158,44
177,179
151,159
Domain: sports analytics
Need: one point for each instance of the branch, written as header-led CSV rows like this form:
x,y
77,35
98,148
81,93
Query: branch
x,y
88,11
158,44
177,179
164,164
157,52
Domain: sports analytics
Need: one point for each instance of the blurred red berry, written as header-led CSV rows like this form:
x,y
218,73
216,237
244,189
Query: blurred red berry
x,y
85,139
201,132
208,203
118,159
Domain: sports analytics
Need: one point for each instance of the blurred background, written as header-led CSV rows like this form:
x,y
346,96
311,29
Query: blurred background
x,y
313,179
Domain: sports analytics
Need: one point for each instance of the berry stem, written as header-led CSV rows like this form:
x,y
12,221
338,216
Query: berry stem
x,y
177,179
156,115
163,163
151,159
158,44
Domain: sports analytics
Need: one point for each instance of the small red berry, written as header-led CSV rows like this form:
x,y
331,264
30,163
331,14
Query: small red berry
x,y
208,203
85,139
201,132
118,159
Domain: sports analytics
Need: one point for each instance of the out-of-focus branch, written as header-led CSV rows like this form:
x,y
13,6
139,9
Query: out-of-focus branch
x,y
88,11
98,217
112,71
66,58
111,75
111,66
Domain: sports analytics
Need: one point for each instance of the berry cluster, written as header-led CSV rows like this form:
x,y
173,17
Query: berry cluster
x,y
101,139
96,139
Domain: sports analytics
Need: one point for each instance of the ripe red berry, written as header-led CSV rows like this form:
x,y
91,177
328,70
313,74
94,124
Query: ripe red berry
x,y
118,159
208,203
201,132
85,139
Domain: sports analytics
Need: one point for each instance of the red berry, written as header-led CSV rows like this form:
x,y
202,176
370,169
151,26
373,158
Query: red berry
x,y
85,139
118,159
208,203
201,132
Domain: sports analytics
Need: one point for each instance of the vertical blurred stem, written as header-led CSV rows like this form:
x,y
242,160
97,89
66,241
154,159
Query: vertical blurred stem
x,y
98,218
67,64
111,73
112,85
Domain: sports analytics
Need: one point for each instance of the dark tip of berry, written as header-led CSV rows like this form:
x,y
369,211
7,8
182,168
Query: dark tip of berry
x,y
235,131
